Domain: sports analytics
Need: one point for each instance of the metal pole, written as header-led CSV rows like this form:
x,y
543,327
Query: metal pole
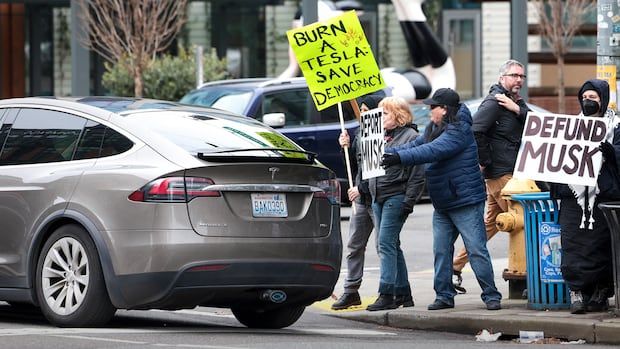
x,y
518,39
80,56
199,66
608,47
309,10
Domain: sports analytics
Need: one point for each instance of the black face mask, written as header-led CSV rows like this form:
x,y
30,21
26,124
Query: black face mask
x,y
590,107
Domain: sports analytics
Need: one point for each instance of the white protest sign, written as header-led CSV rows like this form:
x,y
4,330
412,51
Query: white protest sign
x,y
372,143
561,148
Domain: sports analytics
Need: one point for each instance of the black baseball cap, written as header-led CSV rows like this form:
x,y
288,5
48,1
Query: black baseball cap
x,y
444,96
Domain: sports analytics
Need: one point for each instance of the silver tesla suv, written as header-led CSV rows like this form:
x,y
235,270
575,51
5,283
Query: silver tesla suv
x,y
121,203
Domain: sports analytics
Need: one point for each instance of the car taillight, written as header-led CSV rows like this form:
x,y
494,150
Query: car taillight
x,y
174,189
331,190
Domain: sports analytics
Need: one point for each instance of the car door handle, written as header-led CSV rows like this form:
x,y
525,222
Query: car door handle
x,y
307,138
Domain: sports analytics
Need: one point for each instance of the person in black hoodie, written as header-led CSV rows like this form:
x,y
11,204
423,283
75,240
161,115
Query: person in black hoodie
x,y
586,240
361,221
498,126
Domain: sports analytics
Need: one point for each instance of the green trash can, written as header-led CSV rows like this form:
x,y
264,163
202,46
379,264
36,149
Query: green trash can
x,y
546,288
611,211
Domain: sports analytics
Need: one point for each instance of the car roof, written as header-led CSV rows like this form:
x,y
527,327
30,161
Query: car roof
x,y
118,105
256,82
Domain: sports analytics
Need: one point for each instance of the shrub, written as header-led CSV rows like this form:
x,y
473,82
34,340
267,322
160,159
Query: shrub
x,y
167,77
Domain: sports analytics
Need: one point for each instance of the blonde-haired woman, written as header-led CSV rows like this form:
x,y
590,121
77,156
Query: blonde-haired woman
x,y
393,196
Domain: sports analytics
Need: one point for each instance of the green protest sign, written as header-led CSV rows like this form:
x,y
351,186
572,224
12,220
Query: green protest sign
x,y
336,60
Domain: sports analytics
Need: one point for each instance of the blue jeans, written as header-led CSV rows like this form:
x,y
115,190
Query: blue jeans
x,y
388,219
469,222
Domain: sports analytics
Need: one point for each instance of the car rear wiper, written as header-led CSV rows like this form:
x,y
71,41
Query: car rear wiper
x,y
214,155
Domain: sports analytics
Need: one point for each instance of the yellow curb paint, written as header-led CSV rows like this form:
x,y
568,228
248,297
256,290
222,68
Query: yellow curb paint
x,y
326,305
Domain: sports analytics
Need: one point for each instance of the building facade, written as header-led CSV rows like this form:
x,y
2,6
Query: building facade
x,y
38,43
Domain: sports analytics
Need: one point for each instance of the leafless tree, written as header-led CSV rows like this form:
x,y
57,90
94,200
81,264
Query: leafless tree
x,y
559,21
131,32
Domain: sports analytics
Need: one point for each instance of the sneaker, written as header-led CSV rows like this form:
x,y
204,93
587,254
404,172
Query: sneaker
x,y
383,302
457,280
494,305
576,303
439,304
347,300
405,301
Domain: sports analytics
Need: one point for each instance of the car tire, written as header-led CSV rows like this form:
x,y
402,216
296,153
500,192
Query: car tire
x,y
274,318
69,281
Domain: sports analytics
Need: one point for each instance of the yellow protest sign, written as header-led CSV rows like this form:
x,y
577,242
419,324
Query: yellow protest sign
x,y
336,60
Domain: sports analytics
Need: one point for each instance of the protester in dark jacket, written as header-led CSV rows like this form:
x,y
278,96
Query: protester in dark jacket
x,y
361,221
457,190
587,265
394,195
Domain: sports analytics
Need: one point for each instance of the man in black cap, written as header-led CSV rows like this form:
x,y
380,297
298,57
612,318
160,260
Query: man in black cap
x,y
498,126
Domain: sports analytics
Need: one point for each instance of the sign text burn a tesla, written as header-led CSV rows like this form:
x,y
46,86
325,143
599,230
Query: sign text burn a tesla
x,y
336,60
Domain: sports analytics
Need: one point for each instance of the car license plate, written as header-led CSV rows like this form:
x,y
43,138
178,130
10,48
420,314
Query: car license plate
x,y
269,205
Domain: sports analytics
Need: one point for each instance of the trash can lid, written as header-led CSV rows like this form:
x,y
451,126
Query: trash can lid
x,y
532,196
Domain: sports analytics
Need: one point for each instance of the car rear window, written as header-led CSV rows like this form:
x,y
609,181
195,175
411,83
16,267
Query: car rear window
x,y
202,133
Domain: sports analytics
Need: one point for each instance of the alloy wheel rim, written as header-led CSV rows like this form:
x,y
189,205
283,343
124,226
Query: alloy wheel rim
x,y
65,276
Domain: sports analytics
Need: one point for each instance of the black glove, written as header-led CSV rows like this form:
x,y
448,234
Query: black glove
x,y
406,210
607,150
389,159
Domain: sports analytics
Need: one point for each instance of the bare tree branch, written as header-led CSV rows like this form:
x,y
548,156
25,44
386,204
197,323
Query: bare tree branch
x,y
131,32
559,20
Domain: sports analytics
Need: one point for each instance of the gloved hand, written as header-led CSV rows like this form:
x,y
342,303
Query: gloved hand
x,y
607,150
406,210
389,159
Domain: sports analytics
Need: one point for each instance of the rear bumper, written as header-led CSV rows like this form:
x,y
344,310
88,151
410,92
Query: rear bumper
x,y
236,284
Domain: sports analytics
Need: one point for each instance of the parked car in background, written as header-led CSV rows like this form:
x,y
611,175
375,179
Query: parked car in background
x,y
284,104
110,203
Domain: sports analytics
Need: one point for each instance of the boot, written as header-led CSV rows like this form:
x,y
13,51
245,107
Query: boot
x,y
576,303
347,300
383,302
599,301
404,300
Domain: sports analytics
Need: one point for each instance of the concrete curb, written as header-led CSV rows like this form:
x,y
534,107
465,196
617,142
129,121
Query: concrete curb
x,y
471,319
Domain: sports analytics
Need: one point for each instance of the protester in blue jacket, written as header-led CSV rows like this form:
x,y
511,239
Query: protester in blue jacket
x,y
456,188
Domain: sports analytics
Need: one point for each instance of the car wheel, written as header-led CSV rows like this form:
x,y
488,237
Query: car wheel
x,y
275,318
69,281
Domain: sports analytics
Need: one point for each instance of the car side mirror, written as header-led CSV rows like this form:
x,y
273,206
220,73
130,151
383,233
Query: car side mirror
x,y
274,119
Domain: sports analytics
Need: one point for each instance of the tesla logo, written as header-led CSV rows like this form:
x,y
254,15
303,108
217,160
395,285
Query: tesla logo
x,y
273,171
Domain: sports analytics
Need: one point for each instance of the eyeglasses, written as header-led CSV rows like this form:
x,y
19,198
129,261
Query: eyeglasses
x,y
514,76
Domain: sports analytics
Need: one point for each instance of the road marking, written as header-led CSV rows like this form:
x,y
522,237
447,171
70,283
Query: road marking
x,y
345,332
147,343
196,312
100,339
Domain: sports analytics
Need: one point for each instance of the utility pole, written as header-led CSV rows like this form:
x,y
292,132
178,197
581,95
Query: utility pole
x,y
518,37
608,47
309,11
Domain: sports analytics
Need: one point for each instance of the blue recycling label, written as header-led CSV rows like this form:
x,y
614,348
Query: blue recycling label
x,y
550,252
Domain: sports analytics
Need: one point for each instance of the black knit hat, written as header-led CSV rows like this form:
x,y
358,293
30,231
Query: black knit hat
x,y
371,101
444,96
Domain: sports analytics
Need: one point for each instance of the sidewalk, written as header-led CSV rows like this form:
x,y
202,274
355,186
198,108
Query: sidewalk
x,y
469,316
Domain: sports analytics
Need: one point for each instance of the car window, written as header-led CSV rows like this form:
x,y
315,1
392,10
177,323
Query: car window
x,y
39,136
226,98
293,103
90,143
99,141
114,143
330,114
